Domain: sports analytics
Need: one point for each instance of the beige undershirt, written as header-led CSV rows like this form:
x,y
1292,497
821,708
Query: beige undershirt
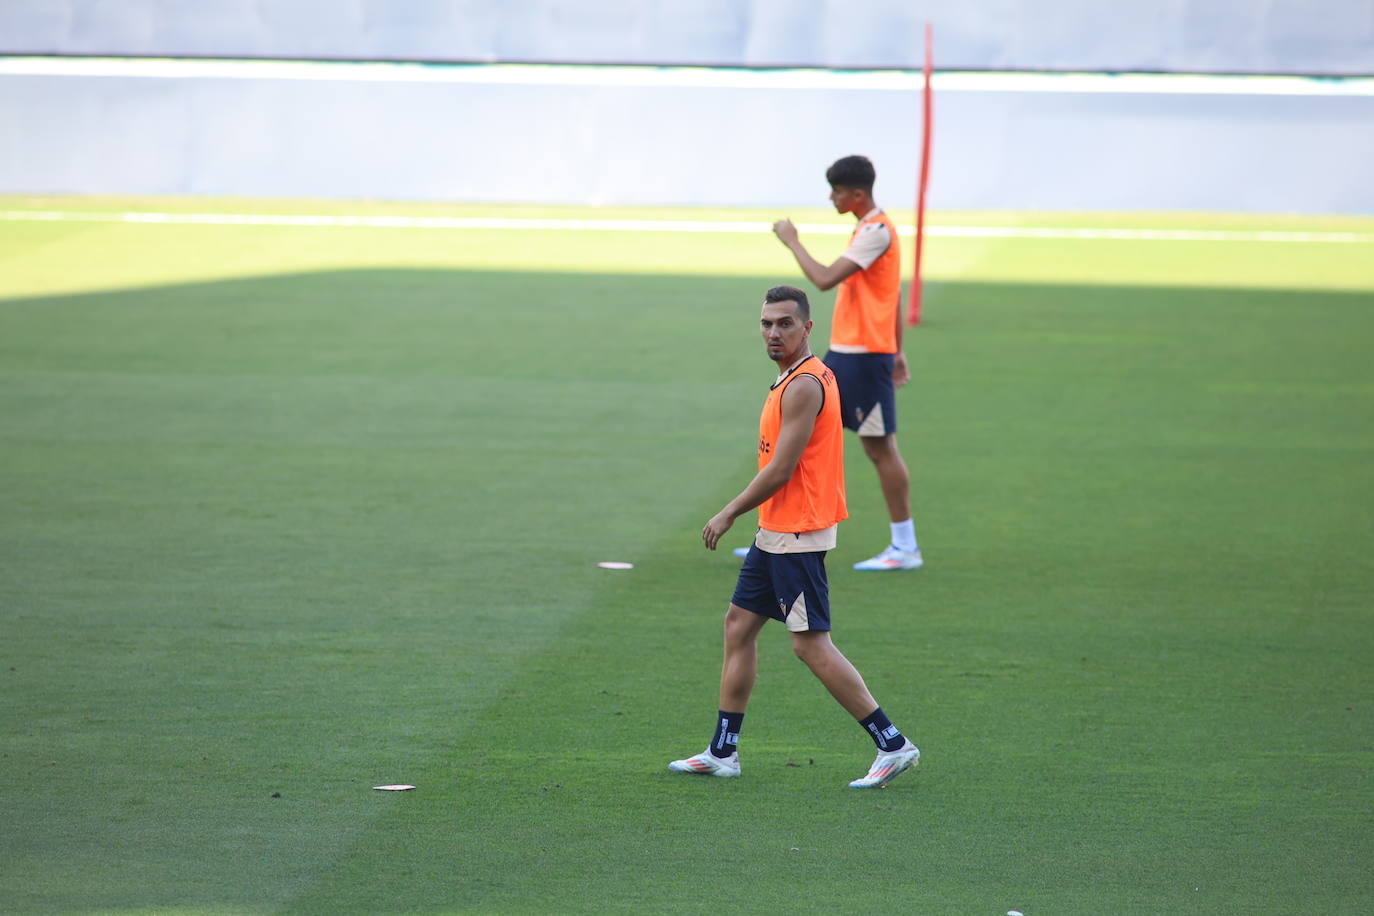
x,y
802,542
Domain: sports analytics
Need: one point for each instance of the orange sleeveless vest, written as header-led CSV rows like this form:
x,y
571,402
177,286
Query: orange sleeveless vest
x,y
866,304
814,498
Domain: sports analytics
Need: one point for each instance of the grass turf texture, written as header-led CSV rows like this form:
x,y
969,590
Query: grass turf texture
x,y
290,513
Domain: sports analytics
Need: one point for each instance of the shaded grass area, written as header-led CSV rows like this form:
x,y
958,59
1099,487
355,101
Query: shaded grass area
x,y
271,542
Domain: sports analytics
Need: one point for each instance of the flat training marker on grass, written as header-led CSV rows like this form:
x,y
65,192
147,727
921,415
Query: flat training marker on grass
x,y
611,564
393,788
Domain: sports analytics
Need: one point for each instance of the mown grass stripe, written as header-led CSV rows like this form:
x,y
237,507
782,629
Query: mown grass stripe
x,y
332,221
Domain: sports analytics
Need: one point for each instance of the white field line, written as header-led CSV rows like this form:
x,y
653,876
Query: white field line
x,y
664,225
681,77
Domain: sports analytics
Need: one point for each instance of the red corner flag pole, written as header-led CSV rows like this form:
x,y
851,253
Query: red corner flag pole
x,y
914,317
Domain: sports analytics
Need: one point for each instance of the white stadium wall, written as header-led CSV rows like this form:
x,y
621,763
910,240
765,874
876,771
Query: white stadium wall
x,y
523,134
615,135
1234,36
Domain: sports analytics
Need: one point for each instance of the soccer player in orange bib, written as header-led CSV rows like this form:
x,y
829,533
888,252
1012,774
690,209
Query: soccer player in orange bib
x,y
799,492
866,342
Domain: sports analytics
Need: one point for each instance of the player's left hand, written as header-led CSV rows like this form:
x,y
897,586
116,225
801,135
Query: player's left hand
x,y
715,529
900,373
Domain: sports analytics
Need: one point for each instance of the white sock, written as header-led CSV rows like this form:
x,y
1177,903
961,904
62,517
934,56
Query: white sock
x,y
904,536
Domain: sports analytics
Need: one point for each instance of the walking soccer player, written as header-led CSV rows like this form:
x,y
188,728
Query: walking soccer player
x,y
799,492
866,342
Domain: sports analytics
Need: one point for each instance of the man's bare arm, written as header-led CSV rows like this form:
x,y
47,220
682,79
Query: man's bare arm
x,y
822,276
801,402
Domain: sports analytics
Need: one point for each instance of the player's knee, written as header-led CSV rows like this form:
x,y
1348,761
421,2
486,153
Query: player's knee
x,y
878,448
807,650
885,455
737,624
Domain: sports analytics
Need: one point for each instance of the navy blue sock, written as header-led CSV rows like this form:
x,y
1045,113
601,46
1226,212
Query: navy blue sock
x,y
882,731
726,738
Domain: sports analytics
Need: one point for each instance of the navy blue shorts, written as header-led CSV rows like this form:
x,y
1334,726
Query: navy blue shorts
x,y
868,399
788,587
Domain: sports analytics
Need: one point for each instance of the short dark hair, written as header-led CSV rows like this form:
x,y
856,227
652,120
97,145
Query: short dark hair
x,y
852,172
790,294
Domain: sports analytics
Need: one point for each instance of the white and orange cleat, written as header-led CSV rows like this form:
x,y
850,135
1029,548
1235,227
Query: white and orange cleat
x,y
707,764
888,766
893,558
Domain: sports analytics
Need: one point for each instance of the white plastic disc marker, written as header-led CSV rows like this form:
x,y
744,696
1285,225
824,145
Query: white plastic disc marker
x,y
614,565
392,788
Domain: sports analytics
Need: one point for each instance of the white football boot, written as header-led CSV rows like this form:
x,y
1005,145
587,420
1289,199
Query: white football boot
x,y
708,764
888,765
893,558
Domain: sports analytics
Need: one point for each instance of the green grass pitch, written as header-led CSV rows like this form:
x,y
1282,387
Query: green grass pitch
x,y
288,513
